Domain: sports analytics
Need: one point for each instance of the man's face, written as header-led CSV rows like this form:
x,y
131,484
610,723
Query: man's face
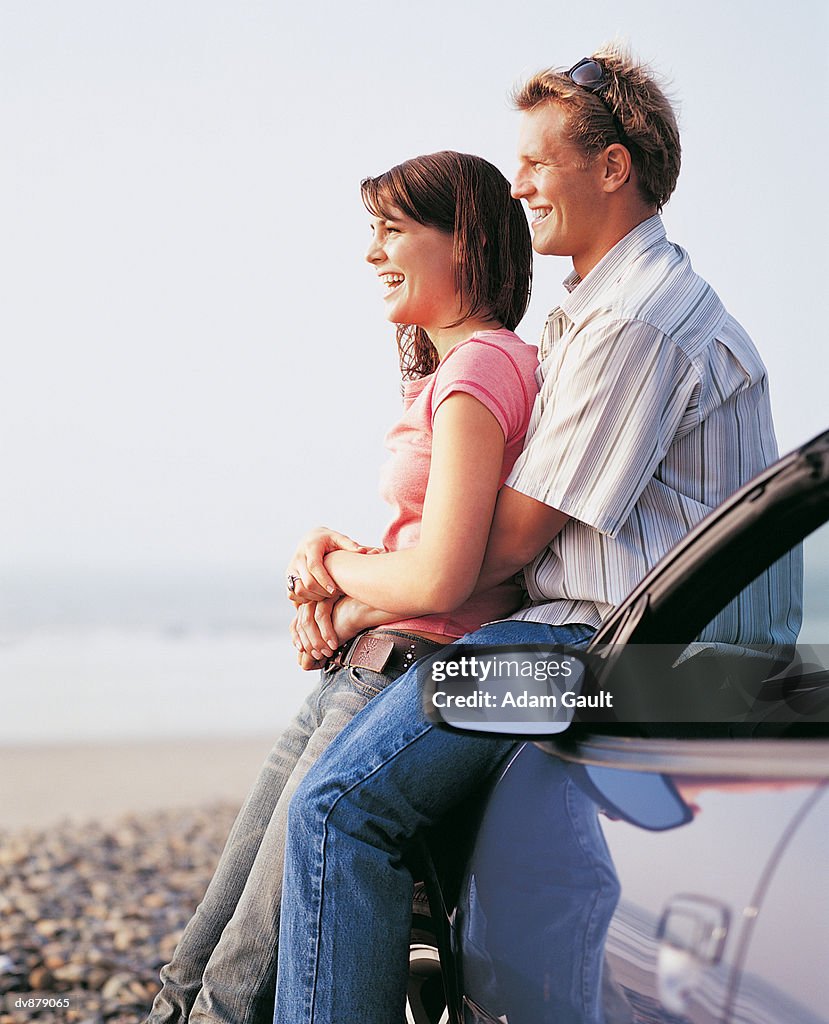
x,y
562,188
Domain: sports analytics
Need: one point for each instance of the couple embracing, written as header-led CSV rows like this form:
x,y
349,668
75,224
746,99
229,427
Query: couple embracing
x,y
580,464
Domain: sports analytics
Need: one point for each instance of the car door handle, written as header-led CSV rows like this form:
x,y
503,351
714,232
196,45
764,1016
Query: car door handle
x,y
692,933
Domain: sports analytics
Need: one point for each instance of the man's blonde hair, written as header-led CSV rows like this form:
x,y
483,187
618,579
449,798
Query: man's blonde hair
x,y
629,107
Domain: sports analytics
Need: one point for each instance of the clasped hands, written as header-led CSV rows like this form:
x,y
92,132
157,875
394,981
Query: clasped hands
x,y
325,618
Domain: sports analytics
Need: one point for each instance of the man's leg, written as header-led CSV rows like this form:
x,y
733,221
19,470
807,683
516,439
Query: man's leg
x,y
347,892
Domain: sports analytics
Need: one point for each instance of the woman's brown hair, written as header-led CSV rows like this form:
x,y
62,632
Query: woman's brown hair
x,y
468,197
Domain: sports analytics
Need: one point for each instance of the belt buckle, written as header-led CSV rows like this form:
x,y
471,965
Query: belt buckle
x,y
373,651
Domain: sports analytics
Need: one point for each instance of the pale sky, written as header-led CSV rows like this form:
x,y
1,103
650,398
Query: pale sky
x,y
196,365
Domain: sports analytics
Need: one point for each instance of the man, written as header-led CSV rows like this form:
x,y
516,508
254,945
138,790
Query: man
x,y
653,409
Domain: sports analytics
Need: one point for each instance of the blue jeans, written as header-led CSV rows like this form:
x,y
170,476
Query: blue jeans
x,y
224,967
347,893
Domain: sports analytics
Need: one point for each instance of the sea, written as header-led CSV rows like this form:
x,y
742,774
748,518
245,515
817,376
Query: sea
x,y
146,654
137,655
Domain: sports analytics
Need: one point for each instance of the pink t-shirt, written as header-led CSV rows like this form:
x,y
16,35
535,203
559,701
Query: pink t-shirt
x,y
498,368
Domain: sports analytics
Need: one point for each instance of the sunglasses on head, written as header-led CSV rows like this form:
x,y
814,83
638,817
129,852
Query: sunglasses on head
x,y
588,74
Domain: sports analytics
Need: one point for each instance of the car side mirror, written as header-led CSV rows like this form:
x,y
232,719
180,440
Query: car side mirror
x,y
533,690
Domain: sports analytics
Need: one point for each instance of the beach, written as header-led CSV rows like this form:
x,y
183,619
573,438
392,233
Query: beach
x,y
105,851
44,784
135,715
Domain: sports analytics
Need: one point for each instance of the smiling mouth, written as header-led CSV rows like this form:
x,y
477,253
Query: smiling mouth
x,y
540,213
392,281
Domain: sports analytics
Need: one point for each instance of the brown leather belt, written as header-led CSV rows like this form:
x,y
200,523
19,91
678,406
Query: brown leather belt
x,y
384,650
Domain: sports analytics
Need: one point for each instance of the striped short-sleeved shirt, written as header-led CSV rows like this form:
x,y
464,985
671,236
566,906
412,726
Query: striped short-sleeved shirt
x,y
653,408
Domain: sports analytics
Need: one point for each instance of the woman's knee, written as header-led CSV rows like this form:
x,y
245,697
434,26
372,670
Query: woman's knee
x,y
314,804
304,806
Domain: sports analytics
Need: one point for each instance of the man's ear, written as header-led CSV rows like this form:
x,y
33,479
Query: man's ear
x,y
617,167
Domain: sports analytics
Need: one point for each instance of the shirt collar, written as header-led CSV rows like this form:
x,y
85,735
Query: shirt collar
x,y
584,295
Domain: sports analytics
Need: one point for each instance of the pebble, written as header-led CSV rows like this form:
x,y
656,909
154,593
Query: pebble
x,y
89,913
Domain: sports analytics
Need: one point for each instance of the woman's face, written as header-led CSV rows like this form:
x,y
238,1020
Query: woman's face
x,y
414,264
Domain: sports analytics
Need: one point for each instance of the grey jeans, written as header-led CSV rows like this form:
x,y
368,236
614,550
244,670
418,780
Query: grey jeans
x,y
224,967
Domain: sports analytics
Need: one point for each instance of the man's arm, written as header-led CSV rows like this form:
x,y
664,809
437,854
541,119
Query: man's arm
x,y
521,528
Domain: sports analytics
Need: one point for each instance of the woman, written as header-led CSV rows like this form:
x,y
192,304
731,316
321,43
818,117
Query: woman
x,y
452,251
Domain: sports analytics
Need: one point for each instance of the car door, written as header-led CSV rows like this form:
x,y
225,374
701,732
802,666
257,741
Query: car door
x,y
697,898
725,918
719,919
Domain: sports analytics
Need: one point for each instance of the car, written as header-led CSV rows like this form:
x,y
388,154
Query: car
x,y
697,893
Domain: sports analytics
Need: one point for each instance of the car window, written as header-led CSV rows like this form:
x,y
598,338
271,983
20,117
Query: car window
x,y
711,687
814,628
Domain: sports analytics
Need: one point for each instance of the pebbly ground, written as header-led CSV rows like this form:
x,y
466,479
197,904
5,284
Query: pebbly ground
x,y
89,913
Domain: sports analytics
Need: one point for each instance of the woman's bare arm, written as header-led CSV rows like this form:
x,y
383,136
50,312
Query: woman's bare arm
x,y
521,528
439,573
